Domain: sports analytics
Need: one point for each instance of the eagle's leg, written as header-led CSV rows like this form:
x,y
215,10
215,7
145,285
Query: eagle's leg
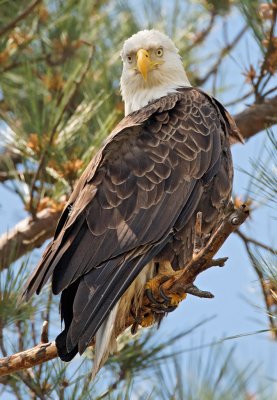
x,y
161,297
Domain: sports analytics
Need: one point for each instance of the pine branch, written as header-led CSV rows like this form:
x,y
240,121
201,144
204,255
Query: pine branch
x,y
21,16
262,280
27,235
202,35
77,83
265,67
7,156
203,260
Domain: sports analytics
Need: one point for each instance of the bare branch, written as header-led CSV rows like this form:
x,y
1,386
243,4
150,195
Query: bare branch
x,y
44,333
204,259
29,358
27,235
239,99
257,117
183,281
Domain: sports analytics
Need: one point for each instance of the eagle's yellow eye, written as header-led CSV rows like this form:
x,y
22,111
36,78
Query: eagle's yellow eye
x,y
159,52
130,59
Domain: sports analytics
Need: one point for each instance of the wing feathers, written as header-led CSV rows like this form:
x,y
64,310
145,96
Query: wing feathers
x,y
149,174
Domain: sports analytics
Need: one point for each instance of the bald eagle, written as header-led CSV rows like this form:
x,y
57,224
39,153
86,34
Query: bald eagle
x,y
132,214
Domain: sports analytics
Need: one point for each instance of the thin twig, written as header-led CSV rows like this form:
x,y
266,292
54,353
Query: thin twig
x,y
201,36
239,99
20,336
26,377
259,273
17,64
2,345
263,69
256,242
222,54
113,386
21,16
272,90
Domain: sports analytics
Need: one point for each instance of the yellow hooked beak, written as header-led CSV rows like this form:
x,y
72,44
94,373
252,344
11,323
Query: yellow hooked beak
x,y
144,63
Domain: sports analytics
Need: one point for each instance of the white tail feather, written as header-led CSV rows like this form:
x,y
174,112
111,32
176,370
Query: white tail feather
x,y
104,341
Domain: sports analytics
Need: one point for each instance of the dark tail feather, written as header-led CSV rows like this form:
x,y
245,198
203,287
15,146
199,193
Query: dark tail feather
x,y
61,347
50,258
66,306
93,302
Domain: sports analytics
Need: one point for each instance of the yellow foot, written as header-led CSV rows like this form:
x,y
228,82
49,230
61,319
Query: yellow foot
x,y
159,294
147,320
177,298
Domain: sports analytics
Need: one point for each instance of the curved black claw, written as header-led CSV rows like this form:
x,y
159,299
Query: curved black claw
x,y
136,318
199,293
152,299
163,309
136,324
134,328
163,295
170,309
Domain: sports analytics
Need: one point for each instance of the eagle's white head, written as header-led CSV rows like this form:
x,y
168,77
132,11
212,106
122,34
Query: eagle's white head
x,y
152,68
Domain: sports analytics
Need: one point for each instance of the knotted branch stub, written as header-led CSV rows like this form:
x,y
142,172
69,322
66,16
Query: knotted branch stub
x,y
204,259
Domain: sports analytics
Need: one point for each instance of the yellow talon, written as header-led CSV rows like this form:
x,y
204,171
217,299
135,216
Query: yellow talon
x,y
153,284
147,321
176,298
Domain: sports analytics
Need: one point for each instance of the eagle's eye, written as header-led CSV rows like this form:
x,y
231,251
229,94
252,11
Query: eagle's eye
x,y
129,59
159,52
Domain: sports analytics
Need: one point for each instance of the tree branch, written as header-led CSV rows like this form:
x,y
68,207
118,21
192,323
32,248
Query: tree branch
x,y
226,50
6,157
257,117
42,161
262,282
27,235
21,16
201,36
203,260
248,239
29,358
